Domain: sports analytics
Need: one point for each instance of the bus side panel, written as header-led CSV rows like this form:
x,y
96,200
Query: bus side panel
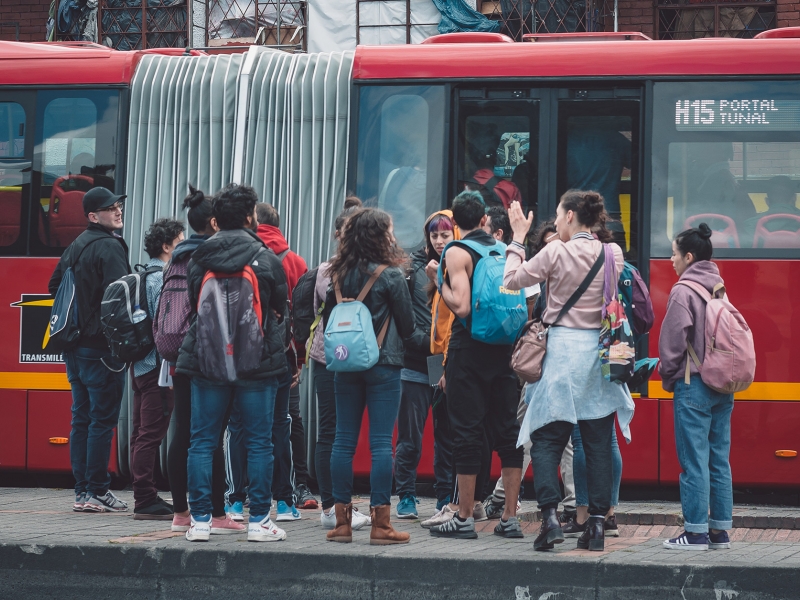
x,y
758,430
13,425
640,457
49,423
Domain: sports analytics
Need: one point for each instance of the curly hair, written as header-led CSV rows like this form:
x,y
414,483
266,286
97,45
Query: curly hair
x,y
590,210
163,231
363,240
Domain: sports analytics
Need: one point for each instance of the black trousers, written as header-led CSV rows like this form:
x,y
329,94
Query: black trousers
x,y
178,452
548,445
297,438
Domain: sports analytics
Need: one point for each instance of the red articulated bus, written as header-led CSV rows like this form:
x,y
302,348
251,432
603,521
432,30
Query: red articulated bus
x,y
671,132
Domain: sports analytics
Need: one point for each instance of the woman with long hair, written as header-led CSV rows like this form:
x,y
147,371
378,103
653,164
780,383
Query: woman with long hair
x,y
366,243
572,389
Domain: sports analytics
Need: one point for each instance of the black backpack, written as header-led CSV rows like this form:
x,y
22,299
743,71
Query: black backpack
x,y
125,316
303,314
64,330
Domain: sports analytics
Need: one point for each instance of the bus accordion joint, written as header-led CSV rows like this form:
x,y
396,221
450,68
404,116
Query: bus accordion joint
x,y
588,36
59,441
786,453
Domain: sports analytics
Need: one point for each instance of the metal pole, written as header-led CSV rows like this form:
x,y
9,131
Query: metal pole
x,y
616,15
280,4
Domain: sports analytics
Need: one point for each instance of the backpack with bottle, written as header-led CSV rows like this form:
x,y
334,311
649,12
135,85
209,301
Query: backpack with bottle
x,y
125,318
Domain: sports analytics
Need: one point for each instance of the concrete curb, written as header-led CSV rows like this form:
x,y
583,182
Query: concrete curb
x,y
197,572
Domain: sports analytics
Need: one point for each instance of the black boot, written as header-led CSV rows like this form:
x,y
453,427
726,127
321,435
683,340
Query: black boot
x,y
593,537
550,533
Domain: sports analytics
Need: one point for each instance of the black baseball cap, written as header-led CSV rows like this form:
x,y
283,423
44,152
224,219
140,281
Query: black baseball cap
x,y
99,197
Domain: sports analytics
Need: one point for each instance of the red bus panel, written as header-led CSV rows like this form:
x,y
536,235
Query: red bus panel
x,y
640,457
14,408
49,417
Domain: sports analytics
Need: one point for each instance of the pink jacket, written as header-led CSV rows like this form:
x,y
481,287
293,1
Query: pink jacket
x,y
685,321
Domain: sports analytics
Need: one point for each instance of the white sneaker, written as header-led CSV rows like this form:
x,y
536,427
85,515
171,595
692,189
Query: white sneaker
x,y
359,520
328,519
264,531
199,531
440,517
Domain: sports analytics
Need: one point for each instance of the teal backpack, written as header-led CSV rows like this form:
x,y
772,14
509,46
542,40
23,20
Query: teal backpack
x,y
497,314
350,341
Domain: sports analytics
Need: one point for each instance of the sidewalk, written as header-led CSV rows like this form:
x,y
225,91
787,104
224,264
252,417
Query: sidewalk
x,y
47,550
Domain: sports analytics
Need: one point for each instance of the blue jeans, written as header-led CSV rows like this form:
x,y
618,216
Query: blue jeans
x,y
282,487
579,469
703,441
254,399
97,381
377,389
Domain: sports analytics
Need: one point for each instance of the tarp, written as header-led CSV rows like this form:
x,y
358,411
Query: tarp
x,y
457,15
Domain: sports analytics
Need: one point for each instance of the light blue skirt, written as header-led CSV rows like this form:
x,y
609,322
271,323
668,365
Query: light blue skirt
x,y
572,387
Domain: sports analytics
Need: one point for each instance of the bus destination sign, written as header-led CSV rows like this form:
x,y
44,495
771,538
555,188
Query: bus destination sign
x,y
737,115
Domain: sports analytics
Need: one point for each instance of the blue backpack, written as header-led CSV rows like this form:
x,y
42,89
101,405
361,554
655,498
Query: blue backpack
x,y
497,314
350,341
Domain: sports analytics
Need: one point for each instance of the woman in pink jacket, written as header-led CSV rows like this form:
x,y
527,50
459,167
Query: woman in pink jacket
x,y
702,416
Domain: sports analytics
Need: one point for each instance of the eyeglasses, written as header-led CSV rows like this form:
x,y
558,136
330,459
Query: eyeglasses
x,y
114,207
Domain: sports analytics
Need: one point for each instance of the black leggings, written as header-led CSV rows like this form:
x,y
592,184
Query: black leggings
x,y
178,452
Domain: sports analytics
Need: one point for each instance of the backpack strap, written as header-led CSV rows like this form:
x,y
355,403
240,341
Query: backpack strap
x,y
283,254
490,184
587,281
363,294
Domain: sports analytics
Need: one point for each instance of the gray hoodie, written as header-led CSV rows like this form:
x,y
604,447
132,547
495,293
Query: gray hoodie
x,y
685,322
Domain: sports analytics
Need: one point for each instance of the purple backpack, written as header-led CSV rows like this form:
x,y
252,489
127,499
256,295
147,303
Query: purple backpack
x,y
636,299
174,311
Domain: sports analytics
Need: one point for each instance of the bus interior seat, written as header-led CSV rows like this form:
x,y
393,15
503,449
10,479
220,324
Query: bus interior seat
x,y
65,217
10,214
723,229
788,236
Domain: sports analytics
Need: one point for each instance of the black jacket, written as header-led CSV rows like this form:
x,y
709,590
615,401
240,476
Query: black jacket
x,y
416,357
104,260
229,252
389,296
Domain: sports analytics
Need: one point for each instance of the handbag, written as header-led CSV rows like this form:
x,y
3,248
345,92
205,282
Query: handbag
x,y
527,358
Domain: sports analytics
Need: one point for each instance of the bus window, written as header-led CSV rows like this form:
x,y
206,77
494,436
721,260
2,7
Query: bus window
x,y
401,155
729,158
497,148
598,151
76,152
12,170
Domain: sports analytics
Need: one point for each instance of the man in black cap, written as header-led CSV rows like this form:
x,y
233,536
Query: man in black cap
x,y
98,257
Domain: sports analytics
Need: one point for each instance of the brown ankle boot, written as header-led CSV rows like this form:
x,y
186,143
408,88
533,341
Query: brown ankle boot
x,y
343,532
382,532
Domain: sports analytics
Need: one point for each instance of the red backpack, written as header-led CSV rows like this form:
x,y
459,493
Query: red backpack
x,y
230,338
172,318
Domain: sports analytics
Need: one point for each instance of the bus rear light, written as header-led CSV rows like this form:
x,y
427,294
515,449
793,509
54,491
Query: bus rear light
x,y
59,440
786,453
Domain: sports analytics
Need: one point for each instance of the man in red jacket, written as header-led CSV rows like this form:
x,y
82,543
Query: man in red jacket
x,y
294,266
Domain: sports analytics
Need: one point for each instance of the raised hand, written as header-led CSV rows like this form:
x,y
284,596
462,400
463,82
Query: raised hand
x,y
519,224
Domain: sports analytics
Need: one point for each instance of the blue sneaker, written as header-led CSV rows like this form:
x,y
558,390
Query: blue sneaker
x,y
440,504
719,541
286,512
236,511
688,541
407,508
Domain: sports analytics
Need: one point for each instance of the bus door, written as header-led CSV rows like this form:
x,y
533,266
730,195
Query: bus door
x,y
498,144
597,148
16,153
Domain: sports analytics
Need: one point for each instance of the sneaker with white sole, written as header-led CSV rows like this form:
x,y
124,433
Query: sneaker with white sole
x,y
407,507
509,529
236,511
226,525
80,501
479,512
456,528
440,517
359,520
718,541
328,519
494,507
264,531
286,512
688,541
108,502
200,529
180,523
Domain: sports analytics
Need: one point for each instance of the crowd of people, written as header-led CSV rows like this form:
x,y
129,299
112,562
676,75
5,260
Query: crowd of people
x,y
227,355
